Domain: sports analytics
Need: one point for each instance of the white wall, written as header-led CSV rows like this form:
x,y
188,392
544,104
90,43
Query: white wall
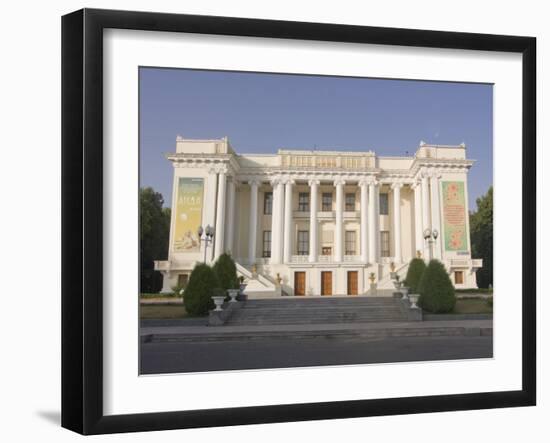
x,y
30,105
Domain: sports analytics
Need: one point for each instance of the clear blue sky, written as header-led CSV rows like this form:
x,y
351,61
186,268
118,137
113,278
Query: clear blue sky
x,y
265,112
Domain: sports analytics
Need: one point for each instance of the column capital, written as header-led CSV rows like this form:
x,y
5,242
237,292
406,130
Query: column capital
x,y
255,181
415,184
314,181
339,182
219,169
276,180
396,185
288,181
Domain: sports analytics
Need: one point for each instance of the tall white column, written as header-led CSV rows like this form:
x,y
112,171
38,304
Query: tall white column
x,y
425,211
313,238
418,229
339,228
220,216
287,244
277,221
398,255
373,222
364,225
436,219
230,225
253,223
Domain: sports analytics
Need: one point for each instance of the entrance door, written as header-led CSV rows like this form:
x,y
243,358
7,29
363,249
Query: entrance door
x,y
352,282
326,283
299,283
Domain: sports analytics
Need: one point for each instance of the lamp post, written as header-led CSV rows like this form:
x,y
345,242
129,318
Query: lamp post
x,y
208,237
430,236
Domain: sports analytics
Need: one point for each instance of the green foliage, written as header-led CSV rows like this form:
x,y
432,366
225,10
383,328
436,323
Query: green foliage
x,y
414,274
202,285
177,291
154,231
436,290
226,272
481,237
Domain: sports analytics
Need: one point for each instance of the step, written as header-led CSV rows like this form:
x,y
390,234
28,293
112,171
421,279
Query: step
x,y
348,333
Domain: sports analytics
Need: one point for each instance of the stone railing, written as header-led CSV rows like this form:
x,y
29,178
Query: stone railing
x,y
299,259
477,263
352,258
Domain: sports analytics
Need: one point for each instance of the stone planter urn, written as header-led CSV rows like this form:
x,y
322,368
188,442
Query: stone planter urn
x,y
414,298
405,291
233,293
218,301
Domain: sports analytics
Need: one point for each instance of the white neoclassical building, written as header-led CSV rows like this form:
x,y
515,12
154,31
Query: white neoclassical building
x,y
303,222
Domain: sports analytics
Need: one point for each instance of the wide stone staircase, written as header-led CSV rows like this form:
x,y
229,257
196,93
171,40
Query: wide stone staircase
x,y
318,310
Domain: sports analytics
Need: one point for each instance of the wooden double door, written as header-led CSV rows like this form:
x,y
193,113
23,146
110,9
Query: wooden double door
x,y
353,282
326,282
300,283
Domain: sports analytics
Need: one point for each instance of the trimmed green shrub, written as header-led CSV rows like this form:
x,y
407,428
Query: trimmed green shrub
x,y
201,287
226,272
437,293
414,274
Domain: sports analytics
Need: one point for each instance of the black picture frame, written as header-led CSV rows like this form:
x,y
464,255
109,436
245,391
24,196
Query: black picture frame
x,y
82,215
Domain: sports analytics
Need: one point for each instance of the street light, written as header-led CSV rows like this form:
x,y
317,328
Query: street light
x,y
431,236
208,237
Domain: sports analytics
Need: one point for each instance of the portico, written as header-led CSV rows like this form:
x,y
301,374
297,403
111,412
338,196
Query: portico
x,y
318,216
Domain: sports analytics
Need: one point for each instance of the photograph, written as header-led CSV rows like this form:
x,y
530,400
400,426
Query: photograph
x,y
303,220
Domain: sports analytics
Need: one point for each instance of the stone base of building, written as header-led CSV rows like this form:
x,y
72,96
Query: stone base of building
x,y
266,280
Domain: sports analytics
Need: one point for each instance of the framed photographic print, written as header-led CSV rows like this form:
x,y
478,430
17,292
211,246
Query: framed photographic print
x,y
269,221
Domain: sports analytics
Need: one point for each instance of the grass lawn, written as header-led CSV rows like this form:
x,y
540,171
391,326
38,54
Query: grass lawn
x,y
162,311
474,291
158,295
472,306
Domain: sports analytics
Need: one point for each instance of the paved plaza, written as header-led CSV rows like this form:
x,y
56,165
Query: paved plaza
x,y
173,357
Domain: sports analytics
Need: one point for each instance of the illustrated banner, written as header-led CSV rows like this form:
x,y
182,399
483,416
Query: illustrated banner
x,y
188,214
454,216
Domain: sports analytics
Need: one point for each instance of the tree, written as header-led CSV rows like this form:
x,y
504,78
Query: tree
x,y
437,293
226,272
481,237
203,284
154,223
414,274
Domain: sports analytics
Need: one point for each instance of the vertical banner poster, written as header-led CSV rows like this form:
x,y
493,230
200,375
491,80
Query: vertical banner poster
x,y
454,216
188,214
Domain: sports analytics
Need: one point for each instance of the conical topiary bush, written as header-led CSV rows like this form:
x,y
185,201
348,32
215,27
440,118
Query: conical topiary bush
x,y
437,293
226,271
200,288
414,274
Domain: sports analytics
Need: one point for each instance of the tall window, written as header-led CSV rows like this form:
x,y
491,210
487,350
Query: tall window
x,y
350,202
384,243
268,203
266,244
303,202
350,243
303,242
384,204
326,201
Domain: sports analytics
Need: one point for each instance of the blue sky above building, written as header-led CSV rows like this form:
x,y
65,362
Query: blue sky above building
x,y
261,113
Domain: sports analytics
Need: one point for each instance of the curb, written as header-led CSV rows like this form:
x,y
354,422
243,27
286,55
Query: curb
x,y
324,334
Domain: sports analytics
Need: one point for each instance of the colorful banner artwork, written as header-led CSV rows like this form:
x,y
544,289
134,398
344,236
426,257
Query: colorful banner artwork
x,y
188,214
454,216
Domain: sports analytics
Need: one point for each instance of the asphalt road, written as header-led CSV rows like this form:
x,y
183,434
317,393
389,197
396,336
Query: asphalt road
x,y
157,358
